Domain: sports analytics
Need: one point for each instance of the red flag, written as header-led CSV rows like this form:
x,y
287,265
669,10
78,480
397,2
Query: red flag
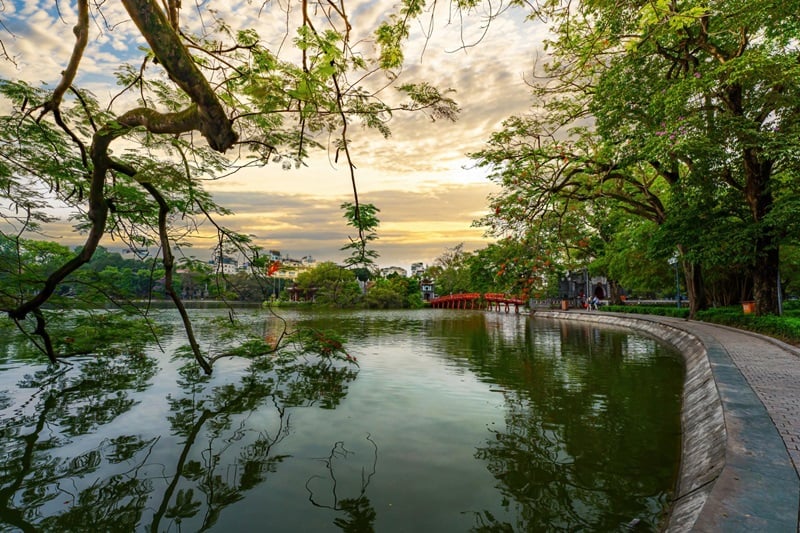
x,y
273,268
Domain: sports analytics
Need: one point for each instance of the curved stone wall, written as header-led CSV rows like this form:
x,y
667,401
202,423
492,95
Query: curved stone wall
x,y
702,418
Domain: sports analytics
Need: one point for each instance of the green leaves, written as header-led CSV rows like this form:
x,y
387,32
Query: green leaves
x,y
389,37
362,217
429,99
689,110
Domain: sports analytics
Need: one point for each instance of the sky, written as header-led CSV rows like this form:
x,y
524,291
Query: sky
x,y
426,187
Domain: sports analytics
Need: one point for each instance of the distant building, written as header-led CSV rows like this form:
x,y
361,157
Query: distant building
x,y
287,267
290,268
417,269
427,288
400,271
580,287
228,265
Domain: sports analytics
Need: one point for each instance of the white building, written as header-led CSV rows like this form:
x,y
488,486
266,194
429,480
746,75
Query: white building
x,y
400,271
228,266
290,268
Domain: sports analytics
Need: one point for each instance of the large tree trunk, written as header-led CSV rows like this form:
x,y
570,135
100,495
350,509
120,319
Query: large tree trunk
x,y
765,278
695,288
758,194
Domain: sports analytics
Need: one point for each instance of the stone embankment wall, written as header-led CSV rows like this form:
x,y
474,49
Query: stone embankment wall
x,y
702,418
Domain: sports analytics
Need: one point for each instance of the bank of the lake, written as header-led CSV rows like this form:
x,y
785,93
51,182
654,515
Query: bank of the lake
x,y
741,420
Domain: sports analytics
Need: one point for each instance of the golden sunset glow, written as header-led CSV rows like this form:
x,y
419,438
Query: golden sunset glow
x,y
420,177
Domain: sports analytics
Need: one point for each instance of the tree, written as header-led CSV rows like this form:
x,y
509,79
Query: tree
x,y
452,273
640,101
330,285
384,294
131,167
364,218
722,83
629,259
394,292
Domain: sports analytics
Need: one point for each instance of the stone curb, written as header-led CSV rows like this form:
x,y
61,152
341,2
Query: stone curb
x,y
735,473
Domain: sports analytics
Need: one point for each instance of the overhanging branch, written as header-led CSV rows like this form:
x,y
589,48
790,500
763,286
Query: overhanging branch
x,y
214,124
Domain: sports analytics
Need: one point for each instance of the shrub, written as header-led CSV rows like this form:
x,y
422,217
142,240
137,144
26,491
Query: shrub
x,y
649,310
786,327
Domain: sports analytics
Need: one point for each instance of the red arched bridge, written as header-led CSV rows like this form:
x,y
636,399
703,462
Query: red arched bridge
x,y
473,300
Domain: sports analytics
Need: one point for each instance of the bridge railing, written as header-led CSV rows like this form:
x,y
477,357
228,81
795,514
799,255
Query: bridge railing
x,y
493,300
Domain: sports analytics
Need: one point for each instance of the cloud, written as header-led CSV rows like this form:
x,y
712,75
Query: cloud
x,y
419,178
414,225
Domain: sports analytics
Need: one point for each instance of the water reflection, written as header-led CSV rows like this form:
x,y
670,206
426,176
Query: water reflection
x,y
73,460
62,408
590,438
489,422
585,428
357,513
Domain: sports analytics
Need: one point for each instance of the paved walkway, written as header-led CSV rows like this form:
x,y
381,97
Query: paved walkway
x,y
772,368
755,375
758,381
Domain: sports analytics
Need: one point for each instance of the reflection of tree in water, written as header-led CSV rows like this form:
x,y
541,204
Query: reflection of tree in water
x,y
359,514
62,409
118,484
591,437
212,483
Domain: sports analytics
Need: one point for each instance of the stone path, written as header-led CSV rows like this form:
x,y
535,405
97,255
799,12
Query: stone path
x,y
772,369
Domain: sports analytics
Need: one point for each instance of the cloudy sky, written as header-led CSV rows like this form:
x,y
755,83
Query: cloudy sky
x,y
420,178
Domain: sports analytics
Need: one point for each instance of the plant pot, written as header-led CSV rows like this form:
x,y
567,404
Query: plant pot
x,y
749,307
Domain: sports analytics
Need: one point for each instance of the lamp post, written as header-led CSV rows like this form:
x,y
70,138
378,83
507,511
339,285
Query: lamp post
x,y
674,262
586,278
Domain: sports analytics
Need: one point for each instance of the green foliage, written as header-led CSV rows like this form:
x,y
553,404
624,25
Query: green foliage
x,y
451,272
694,114
791,306
786,328
648,310
630,259
362,217
330,285
511,266
435,103
130,165
390,293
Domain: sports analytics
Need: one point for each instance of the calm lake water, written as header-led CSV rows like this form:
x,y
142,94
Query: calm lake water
x,y
452,421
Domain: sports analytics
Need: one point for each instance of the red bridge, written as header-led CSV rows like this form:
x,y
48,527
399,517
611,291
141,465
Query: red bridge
x,y
457,301
493,301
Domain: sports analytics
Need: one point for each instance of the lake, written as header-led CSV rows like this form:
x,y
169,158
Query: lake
x,y
450,421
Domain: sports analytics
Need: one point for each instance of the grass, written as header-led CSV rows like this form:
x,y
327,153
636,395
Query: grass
x,y
785,327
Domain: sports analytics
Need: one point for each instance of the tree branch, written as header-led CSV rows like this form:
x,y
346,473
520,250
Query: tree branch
x,y
97,214
81,31
169,264
214,124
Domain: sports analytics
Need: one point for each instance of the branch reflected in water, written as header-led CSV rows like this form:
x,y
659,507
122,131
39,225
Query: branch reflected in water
x,y
359,514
